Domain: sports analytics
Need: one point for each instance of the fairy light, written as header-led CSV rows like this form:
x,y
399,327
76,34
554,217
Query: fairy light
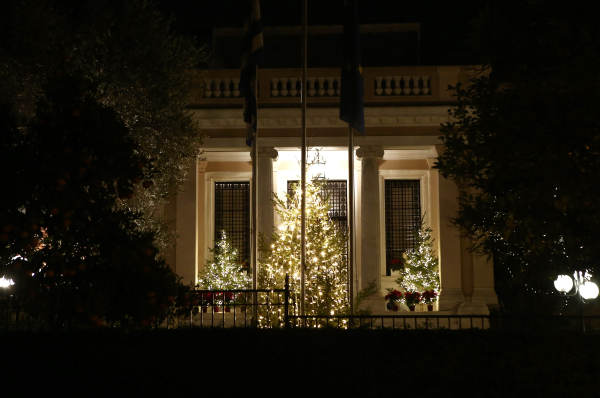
x,y
326,274
421,268
224,271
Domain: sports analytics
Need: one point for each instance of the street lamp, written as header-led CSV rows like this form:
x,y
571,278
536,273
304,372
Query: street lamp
x,y
586,289
6,282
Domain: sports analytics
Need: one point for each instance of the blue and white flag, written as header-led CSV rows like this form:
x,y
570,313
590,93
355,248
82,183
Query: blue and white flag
x,y
252,55
351,95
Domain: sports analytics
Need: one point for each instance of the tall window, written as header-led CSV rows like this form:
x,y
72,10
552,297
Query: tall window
x,y
402,217
337,191
232,215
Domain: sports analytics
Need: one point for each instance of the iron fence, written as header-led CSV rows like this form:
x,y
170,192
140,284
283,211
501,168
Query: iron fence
x,y
276,308
587,324
238,308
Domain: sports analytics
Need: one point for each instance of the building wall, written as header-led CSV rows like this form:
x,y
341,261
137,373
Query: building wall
x,y
405,127
195,214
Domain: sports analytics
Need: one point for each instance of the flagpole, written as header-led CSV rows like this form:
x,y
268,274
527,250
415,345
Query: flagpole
x,y
255,203
303,164
351,243
352,112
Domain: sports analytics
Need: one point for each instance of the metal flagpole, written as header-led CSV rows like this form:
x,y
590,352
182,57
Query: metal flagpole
x,y
255,205
351,243
252,55
351,111
303,164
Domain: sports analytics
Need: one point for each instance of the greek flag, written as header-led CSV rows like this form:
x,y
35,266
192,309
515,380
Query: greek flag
x,y
351,96
252,55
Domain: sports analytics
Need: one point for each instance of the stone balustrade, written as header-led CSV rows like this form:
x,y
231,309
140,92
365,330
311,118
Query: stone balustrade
x,y
402,85
282,87
381,85
221,88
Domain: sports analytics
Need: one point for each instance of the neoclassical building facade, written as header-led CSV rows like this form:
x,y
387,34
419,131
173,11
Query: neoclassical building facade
x,y
395,182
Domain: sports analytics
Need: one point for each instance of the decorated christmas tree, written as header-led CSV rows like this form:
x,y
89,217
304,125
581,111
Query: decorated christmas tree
x,y
326,276
224,271
421,266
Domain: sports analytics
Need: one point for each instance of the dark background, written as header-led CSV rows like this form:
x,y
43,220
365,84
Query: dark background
x,y
444,31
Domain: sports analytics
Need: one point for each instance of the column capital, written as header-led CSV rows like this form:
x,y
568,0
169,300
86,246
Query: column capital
x,y
201,165
370,151
267,152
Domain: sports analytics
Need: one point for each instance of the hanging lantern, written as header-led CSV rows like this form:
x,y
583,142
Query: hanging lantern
x,y
318,167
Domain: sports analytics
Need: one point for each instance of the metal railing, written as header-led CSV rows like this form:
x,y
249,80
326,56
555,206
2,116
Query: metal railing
x,y
276,308
587,324
236,308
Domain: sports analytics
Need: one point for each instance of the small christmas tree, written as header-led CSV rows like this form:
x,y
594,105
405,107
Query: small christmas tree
x,y
326,275
421,266
224,271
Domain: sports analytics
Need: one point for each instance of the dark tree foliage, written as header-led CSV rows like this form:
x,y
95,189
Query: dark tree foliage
x,y
74,254
135,65
524,146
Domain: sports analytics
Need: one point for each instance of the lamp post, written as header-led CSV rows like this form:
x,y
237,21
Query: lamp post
x,y
586,289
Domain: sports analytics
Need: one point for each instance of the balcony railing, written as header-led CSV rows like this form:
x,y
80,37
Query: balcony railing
x,y
281,87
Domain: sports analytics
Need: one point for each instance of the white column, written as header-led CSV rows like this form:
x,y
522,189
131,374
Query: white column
x,y
202,215
266,156
187,227
370,233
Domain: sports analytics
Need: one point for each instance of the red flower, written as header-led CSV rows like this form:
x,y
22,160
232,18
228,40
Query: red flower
x,y
394,295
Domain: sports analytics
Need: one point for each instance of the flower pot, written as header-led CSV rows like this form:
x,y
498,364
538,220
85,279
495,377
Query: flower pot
x,y
227,309
204,310
395,307
411,307
216,309
430,307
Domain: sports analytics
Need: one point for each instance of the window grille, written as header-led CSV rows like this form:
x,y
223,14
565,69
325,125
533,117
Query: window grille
x,y
402,217
337,191
232,215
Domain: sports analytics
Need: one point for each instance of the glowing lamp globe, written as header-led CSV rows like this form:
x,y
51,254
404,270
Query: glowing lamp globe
x,y
589,290
563,283
6,282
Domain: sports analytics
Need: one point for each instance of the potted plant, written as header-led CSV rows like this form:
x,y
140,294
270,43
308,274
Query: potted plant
x,y
412,299
228,299
207,300
218,301
430,297
393,298
241,300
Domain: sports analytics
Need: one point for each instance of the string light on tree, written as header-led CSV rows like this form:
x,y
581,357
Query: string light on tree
x,y
421,266
326,275
224,271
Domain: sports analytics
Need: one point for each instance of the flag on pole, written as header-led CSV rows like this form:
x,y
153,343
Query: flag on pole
x,y
252,55
351,96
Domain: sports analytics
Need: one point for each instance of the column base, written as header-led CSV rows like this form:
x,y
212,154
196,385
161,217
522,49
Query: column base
x,y
450,299
376,302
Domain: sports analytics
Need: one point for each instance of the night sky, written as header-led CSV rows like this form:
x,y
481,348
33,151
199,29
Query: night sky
x,y
445,25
